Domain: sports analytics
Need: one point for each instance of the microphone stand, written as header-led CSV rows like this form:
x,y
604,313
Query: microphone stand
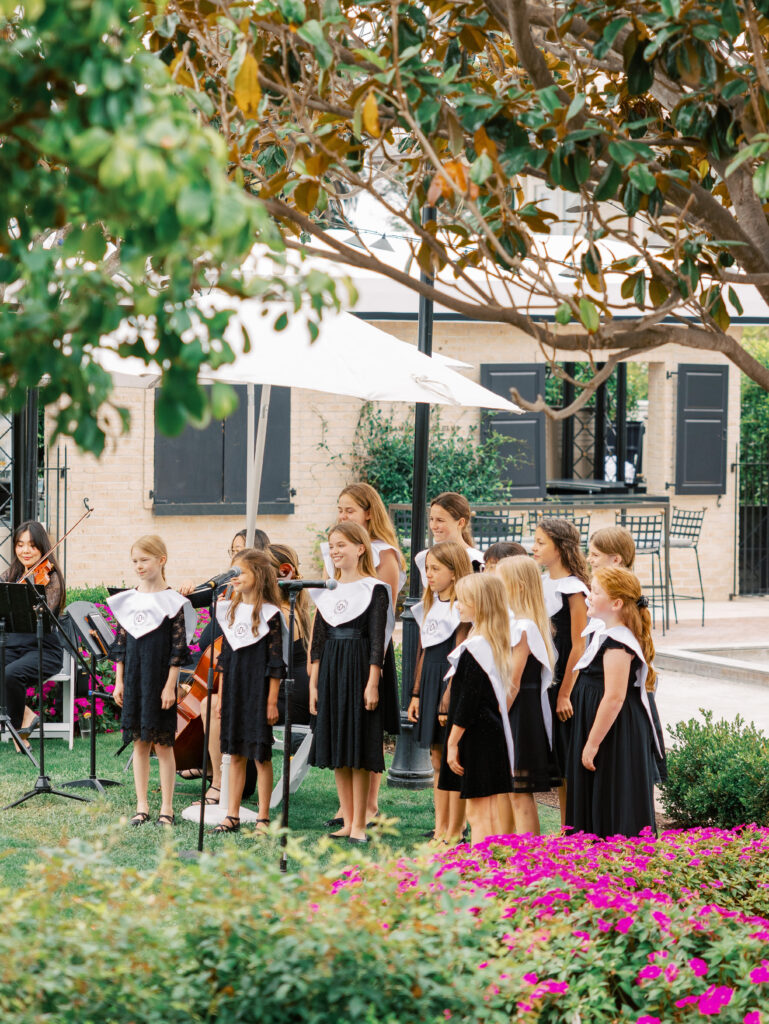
x,y
293,593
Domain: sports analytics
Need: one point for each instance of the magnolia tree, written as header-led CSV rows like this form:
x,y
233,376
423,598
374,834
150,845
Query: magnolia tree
x,y
653,116
154,144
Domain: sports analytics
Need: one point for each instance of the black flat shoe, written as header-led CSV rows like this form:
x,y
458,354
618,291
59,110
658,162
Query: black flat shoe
x,y
27,729
334,822
429,835
140,818
337,837
357,842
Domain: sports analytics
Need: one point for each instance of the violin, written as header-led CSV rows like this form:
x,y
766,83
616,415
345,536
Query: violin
x,y
41,571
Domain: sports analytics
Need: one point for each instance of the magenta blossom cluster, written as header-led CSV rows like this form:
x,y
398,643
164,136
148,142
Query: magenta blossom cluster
x,y
649,930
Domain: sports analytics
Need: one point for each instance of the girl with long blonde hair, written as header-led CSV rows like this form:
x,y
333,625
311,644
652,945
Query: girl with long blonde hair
x,y
352,628
610,783
478,755
252,667
440,631
530,716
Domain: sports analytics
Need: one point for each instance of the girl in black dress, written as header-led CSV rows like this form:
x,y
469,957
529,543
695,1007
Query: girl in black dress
x,y
613,546
440,631
478,756
611,767
30,545
361,504
252,667
557,550
352,628
531,720
450,520
155,625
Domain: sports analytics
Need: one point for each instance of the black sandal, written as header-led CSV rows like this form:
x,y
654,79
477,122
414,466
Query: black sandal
x,y
166,820
210,801
190,774
265,826
140,818
224,827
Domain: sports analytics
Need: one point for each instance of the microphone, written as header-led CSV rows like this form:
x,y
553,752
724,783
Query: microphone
x,y
308,584
220,580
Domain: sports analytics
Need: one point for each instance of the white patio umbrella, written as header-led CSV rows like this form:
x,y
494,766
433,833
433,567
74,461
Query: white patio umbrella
x,y
349,357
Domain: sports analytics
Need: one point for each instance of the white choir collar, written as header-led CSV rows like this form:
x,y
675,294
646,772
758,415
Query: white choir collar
x,y
241,633
555,589
350,600
475,556
440,622
139,612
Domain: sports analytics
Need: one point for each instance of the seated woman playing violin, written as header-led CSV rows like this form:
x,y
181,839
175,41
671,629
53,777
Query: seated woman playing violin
x,y
31,545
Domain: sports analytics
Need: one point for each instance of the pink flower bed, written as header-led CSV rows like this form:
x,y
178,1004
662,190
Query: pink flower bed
x,y
644,930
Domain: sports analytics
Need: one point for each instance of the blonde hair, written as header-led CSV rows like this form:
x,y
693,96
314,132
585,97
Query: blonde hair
x,y
458,507
453,556
615,540
266,589
522,581
154,546
486,595
623,585
357,535
380,525
283,556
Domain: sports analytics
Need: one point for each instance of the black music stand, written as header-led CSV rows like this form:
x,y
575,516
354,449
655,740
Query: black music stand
x,y
97,638
22,606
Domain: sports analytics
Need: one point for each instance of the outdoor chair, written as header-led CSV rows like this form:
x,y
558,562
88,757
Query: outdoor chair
x,y
580,519
66,678
299,760
647,534
492,527
685,529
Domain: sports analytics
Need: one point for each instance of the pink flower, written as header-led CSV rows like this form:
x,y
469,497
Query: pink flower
x,y
760,974
686,1000
754,1017
715,998
530,978
699,967
646,1019
671,972
624,924
650,971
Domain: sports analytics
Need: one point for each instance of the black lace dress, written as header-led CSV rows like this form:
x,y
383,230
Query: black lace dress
x,y
346,735
428,732
147,661
618,797
482,749
21,655
246,675
535,770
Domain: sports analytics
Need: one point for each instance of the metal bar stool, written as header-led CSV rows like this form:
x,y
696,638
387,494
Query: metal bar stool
x,y
647,534
491,527
685,529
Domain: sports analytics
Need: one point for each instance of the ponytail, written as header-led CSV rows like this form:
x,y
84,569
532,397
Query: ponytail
x,y
623,585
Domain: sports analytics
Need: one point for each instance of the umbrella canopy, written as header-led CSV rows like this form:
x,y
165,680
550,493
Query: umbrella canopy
x,y
349,357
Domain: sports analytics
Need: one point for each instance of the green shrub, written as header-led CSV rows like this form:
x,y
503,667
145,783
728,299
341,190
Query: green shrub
x,y
718,774
383,456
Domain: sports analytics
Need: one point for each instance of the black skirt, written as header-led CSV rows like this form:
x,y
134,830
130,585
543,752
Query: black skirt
x,y
388,693
147,661
618,797
346,734
482,749
535,769
246,675
561,730
432,686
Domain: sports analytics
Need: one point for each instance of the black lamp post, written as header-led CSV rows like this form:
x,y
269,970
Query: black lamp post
x,y
24,461
411,767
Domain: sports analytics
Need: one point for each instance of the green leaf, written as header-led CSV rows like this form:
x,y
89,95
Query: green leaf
x,y
282,322
294,11
640,75
170,416
549,98
481,169
623,152
609,182
575,106
91,145
563,313
733,298
312,33
610,33
761,180
642,178
639,290
193,207
589,316
224,400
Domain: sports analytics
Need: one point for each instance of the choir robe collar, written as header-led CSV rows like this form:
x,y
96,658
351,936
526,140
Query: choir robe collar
x,y
440,622
377,547
139,613
349,600
555,589
475,556
241,633
597,631
480,649
537,646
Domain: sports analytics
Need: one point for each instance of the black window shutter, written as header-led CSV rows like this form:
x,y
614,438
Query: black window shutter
x,y
526,431
701,429
203,472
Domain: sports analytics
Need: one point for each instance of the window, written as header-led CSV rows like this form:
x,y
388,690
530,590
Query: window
x,y
203,472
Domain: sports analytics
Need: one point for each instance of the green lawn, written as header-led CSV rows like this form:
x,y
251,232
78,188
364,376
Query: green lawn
x,y
48,820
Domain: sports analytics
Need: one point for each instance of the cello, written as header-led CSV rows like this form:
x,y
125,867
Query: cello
x,y
188,745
